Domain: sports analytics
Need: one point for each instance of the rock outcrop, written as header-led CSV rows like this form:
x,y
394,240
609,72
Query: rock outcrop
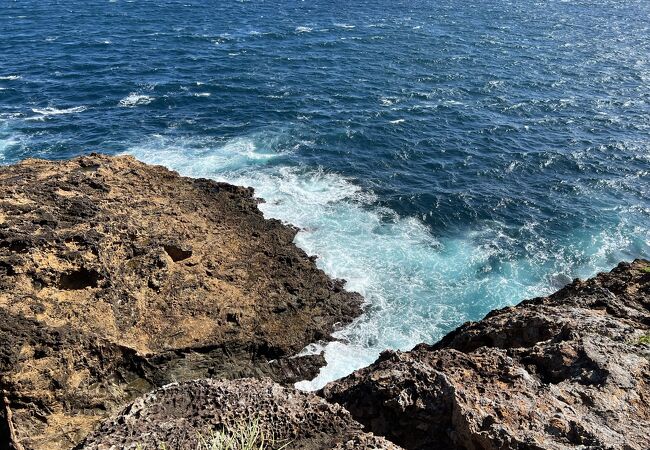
x,y
117,277
179,415
571,370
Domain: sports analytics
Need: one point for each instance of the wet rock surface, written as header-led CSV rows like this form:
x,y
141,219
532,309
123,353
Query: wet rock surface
x,y
178,415
118,277
566,371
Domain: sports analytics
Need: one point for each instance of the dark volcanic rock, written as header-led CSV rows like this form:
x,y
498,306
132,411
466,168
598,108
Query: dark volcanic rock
x,y
117,277
566,371
177,414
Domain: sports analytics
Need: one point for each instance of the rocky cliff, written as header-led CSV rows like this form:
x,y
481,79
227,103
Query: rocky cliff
x,y
133,301
117,277
567,371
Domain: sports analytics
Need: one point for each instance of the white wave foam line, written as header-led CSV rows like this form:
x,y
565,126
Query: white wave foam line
x,y
417,288
303,29
201,158
135,99
10,77
50,111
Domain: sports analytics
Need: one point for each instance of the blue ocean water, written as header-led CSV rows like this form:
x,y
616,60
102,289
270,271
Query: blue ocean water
x,y
444,157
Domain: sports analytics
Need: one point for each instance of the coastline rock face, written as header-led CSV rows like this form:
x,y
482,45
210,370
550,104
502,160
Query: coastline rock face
x,y
117,277
178,414
571,370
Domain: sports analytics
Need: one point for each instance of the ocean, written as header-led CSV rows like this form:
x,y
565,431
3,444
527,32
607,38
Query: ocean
x,y
445,158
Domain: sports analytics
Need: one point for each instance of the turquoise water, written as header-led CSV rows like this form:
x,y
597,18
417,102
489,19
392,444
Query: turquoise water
x,y
445,158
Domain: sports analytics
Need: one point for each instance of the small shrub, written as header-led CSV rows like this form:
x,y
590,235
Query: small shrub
x,y
244,436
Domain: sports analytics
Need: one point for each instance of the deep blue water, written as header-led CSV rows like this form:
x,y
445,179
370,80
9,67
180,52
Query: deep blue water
x,y
444,157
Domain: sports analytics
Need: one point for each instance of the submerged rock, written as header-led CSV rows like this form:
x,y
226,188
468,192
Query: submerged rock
x,y
571,370
117,277
179,415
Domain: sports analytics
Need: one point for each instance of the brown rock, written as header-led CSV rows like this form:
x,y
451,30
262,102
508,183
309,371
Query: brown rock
x,y
177,414
367,441
566,371
117,277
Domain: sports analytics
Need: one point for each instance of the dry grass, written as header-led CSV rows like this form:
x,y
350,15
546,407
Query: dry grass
x,y
245,436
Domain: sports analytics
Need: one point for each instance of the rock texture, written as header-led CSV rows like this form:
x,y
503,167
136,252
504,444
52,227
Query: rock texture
x,y
177,414
567,371
117,277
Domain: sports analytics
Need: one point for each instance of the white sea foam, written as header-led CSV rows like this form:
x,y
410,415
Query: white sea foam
x,y
6,141
134,99
202,158
9,138
394,122
10,77
417,286
43,113
303,29
395,263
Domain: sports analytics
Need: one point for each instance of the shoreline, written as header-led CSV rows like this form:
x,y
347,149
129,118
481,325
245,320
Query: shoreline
x,y
362,247
121,282
149,277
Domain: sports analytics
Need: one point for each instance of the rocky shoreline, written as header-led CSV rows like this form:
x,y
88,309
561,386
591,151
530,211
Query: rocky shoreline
x,y
138,307
571,370
117,277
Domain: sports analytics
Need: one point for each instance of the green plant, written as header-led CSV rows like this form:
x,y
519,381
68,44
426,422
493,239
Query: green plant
x,y
645,269
246,435
643,340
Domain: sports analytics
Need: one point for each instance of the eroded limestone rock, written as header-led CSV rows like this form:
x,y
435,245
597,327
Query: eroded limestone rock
x,y
178,415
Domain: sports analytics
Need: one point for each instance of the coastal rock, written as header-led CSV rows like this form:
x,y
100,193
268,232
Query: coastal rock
x,y
571,370
179,415
117,277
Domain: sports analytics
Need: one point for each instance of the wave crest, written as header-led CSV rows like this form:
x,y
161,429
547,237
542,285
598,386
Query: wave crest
x,y
134,99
